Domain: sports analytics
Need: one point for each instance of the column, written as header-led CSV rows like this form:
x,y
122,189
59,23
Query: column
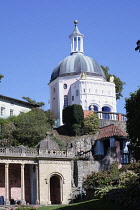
x,y
22,185
7,202
37,185
77,43
73,45
117,145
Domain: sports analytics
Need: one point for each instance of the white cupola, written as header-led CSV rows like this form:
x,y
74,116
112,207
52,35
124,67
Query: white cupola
x,y
76,40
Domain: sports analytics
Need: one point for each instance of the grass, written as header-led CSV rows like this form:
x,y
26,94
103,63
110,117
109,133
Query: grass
x,y
95,204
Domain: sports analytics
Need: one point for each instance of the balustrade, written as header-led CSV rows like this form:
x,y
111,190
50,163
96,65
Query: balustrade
x,y
111,116
34,152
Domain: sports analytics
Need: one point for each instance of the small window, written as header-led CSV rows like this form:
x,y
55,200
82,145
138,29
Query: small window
x,y
65,86
54,90
2,110
65,101
11,112
77,92
72,98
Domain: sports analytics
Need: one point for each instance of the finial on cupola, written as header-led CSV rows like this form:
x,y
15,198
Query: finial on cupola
x,y
76,22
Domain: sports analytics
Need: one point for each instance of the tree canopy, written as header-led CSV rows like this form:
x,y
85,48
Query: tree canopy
x,y
26,128
29,100
138,45
73,114
133,122
91,124
1,76
73,118
118,83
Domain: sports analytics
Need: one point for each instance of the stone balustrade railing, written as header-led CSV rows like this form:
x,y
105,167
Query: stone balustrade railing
x,y
55,153
34,152
111,116
17,151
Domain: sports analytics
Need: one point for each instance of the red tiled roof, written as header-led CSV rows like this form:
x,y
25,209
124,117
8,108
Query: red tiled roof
x,y
110,131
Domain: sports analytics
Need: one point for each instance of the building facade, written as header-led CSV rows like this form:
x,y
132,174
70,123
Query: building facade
x,y
13,107
78,79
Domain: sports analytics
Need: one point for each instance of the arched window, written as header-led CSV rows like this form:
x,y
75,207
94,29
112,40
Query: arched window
x,y
93,107
65,101
106,109
106,115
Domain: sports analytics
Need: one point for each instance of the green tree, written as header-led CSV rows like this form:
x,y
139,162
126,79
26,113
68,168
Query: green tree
x,y
118,83
29,100
73,118
133,122
1,76
51,118
31,127
91,124
6,132
27,129
138,45
73,114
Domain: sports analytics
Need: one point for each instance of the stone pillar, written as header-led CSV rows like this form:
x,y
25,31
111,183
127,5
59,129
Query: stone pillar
x,y
119,117
6,201
37,185
22,185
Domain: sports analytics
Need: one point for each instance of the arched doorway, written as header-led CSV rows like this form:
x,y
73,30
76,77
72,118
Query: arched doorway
x,y
55,189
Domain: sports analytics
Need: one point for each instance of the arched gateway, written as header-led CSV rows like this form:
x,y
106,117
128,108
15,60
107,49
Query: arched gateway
x,y
55,189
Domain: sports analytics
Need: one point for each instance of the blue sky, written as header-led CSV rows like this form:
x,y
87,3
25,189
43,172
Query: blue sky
x,y
34,38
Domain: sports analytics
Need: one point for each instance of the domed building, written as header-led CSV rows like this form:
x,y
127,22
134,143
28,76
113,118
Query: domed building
x,y
79,79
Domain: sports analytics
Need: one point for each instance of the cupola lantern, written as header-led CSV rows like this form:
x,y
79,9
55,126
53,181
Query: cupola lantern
x,y
76,40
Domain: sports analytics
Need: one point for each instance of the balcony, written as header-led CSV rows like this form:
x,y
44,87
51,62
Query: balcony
x,y
107,115
111,116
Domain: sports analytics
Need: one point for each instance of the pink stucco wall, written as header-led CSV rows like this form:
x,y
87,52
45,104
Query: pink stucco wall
x,y
54,99
15,182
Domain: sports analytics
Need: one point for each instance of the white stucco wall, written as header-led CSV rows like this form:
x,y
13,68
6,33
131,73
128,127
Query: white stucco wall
x,y
10,105
57,104
92,90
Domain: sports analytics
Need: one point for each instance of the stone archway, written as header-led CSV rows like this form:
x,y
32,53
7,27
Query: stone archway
x,y
55,189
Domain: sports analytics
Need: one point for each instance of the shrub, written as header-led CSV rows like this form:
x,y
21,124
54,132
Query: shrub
x,y
91,124
73,118
96,180
128,178
24,207
101,192
73,115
